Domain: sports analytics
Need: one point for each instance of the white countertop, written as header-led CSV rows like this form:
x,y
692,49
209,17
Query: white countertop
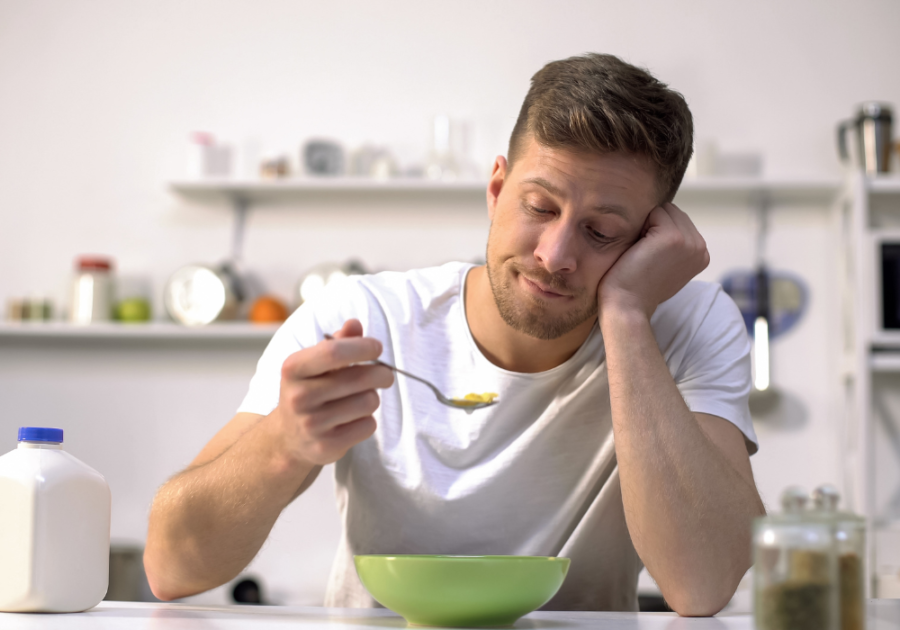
x,y
883,614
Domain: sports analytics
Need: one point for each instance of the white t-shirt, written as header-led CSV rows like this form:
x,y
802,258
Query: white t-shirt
x,y
535,474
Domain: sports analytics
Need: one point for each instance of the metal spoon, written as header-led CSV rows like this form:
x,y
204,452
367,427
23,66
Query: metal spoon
x,y
468,408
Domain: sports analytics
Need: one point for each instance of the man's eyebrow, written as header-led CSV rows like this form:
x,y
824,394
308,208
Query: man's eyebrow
x,y
604,208
611,209
543,183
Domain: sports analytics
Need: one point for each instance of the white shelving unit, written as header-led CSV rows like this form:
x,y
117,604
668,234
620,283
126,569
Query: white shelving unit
x,y
869,210
241,195
250,188
250,192
236,331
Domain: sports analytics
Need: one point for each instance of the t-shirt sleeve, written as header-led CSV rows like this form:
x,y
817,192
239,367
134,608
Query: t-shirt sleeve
x,y
713,374
306,327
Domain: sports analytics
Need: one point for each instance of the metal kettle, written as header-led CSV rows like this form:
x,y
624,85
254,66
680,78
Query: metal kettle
x,y
872,125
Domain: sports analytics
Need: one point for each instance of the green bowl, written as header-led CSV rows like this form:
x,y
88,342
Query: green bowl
x,y
461,591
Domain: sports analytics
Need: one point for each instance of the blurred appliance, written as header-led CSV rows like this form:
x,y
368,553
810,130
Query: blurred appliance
x,y
873,127
314,281
197,295
889,284
323,157
247,591
127,579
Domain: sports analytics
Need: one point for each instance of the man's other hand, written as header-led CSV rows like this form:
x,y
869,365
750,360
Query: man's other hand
x,y
328,396
669,253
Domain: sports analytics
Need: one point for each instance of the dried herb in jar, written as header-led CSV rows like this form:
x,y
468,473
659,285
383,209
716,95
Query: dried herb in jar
x,y
794,605
853,614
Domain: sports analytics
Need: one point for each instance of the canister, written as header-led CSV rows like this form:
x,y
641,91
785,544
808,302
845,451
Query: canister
x,y
91,296
795,568
849,541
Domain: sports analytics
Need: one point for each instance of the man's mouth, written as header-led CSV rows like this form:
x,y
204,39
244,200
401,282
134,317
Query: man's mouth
x,y
540,289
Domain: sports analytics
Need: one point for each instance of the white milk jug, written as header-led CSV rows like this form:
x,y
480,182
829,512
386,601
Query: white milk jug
x,y
54,527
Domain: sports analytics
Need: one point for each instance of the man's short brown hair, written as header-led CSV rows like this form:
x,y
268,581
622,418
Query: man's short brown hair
x,y
600,104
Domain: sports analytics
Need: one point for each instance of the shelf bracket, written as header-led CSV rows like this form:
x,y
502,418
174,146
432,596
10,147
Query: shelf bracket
x,y
763,202
241,206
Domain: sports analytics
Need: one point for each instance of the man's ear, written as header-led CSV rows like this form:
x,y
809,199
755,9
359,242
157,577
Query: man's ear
x,y
495,184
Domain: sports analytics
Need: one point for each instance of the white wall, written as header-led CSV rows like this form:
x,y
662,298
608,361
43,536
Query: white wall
x,y
96,100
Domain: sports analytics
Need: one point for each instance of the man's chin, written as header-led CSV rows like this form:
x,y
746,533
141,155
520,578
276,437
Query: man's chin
x,y
544,326
533,316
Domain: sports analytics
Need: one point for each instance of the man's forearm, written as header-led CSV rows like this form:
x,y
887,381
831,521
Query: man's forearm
x,y
208,522
688,509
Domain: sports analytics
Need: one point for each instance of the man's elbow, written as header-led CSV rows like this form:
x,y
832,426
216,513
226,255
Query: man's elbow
x,y
161,583
698,599
699,606
161,593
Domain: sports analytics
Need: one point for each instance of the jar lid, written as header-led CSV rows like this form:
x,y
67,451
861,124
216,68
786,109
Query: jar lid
x,y
40,434
87,263
874,109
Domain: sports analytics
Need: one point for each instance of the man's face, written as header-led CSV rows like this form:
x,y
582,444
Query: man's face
x,y
560,221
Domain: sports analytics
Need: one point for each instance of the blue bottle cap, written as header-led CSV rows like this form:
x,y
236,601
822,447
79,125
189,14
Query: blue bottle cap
x,y
40,434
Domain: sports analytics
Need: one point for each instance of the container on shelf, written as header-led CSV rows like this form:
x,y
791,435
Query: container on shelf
x,y
54,527
872,126
206,157
91,297
33,309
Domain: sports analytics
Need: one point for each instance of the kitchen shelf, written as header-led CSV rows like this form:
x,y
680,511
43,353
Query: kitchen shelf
x,y
886,340
885,184
753,190
885,361
242,194
252,191
237,331
707,189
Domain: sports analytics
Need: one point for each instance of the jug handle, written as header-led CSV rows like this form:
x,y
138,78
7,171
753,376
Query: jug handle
x,y
842,140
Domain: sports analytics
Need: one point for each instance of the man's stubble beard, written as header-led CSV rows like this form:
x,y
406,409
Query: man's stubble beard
x,y
536,321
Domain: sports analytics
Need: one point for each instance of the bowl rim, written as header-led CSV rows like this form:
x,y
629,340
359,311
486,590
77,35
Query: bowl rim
x,y
456,558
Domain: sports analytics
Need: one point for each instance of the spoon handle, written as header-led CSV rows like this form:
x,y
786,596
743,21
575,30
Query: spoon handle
x,y
436,391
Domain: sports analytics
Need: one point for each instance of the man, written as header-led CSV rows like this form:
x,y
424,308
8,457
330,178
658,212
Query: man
x,y
622,434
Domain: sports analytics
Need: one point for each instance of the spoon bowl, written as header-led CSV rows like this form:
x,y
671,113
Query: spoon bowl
x,y
465,405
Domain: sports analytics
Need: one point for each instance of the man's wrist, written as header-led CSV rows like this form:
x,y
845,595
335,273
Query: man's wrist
x,y
622,315
284,462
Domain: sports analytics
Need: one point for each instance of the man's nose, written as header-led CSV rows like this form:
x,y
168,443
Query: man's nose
x,y
556,249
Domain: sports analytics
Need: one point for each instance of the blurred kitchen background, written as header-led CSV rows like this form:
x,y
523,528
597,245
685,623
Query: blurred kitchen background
x,y
287,136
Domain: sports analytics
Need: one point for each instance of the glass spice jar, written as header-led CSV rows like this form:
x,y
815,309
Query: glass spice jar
x,y
849,539
795,568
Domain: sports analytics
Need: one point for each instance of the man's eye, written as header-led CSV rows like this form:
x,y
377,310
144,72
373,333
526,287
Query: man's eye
x,y
537,210
598,235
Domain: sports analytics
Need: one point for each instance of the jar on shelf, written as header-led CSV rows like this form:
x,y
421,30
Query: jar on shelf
x,y
849,539
91,297
795,570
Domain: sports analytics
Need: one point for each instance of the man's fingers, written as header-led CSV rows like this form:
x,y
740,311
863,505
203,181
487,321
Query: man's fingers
x,y
343,436
658,219
335,443
342,383
351,328
329,355
338,412
681,220
693,240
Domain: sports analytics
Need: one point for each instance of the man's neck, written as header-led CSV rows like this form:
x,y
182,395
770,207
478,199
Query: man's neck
x,y
506,347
